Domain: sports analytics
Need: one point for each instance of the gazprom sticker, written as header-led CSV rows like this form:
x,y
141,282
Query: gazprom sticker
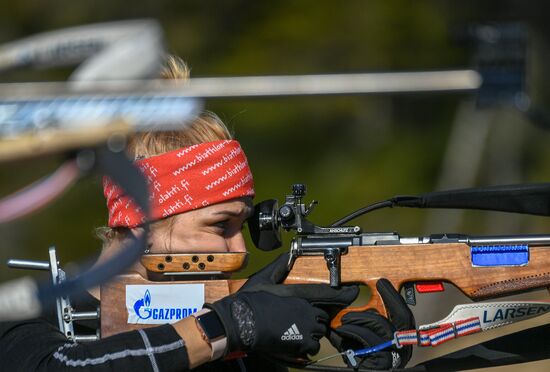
x,y
162,303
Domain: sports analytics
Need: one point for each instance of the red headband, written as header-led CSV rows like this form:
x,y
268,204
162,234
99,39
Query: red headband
x,y
182,180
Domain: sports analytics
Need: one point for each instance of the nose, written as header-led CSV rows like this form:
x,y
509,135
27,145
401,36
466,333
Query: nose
x,y
236,243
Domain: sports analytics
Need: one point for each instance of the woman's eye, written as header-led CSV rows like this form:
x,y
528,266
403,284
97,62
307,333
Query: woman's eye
x,y
222,225
228,226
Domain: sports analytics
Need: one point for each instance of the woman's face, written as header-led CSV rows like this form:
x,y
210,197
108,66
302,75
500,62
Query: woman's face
x,y
215,228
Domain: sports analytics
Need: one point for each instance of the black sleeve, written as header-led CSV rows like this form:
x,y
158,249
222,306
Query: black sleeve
x,y
36,345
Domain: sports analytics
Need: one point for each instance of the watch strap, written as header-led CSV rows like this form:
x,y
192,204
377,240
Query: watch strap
x,y
218,344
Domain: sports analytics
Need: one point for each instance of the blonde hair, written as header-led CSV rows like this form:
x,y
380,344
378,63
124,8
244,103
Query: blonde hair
x,y
207,127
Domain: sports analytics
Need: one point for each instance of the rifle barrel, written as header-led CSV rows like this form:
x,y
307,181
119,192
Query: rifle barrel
x,y
511,239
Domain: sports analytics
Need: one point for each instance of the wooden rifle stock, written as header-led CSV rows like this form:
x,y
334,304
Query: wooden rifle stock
x,y
449,262
196,267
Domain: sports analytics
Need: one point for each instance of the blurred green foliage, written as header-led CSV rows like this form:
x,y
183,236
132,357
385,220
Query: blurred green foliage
x,y
349,150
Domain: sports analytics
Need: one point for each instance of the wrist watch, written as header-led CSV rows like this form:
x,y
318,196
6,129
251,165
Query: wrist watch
x,y
213,331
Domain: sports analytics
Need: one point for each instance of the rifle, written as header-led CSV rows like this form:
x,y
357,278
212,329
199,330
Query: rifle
x,y
481,267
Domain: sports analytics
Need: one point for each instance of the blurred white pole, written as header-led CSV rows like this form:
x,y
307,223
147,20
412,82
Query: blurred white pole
x,y
460,166
263,86
461,162
363,83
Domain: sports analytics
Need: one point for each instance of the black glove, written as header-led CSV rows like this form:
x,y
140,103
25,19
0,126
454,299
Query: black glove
x,y
368,328
279,319
261,321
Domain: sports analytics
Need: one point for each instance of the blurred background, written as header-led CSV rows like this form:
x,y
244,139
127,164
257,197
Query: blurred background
x,y
349,150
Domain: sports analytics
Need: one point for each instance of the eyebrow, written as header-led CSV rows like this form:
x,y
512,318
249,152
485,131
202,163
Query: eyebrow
x,y
246,211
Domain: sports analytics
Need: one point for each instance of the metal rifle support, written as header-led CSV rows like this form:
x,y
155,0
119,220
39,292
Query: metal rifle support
x,y
66,314
332,258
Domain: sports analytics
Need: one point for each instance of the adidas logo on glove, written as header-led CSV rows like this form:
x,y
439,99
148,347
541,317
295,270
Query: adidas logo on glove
x,y
292,334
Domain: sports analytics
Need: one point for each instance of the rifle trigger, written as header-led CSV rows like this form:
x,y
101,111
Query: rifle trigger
x,y
410,295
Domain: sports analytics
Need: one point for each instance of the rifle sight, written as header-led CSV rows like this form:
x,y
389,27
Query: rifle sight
x,y
269,219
